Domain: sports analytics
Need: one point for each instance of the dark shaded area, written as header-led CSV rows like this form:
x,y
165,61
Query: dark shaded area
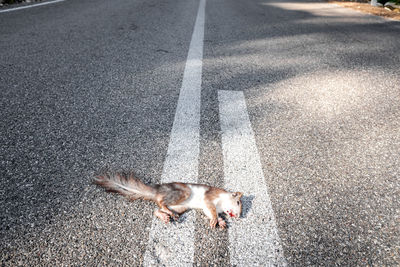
x,y
247,204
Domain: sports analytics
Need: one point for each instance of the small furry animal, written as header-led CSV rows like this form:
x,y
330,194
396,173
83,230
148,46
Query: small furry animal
x,y
173,199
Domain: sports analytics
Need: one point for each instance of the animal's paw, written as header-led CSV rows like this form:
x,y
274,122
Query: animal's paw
x,y
171,214
175,216
162,216
221,223
213,222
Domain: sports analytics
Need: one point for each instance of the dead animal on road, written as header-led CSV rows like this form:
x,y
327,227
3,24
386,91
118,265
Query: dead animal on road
x,y
173,199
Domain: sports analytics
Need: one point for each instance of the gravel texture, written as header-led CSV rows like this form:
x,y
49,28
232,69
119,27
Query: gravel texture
x,y
322,89
93,85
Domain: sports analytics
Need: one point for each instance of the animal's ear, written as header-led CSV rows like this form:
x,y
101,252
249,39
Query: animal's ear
x,y
237,195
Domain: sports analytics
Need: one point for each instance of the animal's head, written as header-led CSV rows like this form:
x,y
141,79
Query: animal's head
x,y
233,205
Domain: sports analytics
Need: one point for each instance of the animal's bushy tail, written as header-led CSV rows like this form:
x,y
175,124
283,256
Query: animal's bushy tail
x,y
127,185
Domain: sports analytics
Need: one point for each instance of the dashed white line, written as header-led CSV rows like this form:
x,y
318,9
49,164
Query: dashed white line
x,y
29,6
173,245
254,239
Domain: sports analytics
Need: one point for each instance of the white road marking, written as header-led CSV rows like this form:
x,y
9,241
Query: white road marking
x,y
173,244
254,239
29,6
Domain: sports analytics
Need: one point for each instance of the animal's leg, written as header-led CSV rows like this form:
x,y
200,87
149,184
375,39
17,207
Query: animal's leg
x,y
221,223
172,194
211,213
178,209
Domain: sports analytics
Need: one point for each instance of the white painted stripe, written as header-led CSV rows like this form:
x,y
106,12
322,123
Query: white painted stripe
x,y
254,239
173,244
29,6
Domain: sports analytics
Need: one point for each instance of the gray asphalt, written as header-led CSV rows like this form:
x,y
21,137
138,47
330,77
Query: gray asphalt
x,y
88,86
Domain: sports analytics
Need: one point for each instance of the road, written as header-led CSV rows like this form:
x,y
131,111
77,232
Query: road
x,y
296,104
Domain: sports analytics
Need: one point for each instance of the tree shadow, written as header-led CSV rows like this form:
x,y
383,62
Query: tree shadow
x,y
247,203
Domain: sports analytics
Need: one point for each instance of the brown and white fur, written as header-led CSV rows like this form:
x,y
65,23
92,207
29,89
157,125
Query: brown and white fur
x,y
173,199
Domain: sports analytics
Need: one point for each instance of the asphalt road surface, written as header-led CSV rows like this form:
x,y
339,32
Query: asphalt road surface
x,y
296,104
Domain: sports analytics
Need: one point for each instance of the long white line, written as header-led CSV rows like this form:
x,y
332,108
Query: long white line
x,y
254,239
29,6
173,244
